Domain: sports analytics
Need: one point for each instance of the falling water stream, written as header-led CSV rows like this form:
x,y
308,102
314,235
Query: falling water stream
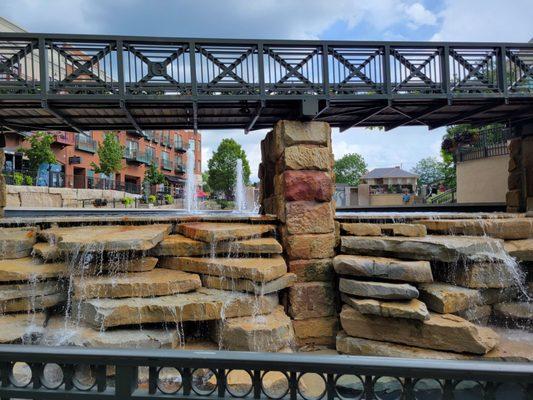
x,y
240,195
191,204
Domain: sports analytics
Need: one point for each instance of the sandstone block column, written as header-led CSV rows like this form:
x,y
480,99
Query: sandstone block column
x,y
3,188
520,180
297,185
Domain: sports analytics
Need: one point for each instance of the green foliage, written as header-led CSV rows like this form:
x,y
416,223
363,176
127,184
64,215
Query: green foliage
x,y
221,167
349,169
18,178
153,175
205,185
225,204
110,153
430,170
40,151
169,199
152,199
128,201
28,180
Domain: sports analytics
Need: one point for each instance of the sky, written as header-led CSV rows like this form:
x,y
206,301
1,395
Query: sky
x,y
437,20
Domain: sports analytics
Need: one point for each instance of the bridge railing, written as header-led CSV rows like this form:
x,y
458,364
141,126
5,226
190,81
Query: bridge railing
x,y
75,373
50,65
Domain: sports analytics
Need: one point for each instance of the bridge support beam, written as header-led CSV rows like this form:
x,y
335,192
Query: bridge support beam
x,y
520,180
297,185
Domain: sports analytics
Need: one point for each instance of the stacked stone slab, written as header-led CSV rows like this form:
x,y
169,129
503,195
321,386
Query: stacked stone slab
x,y
297,186
520,179
27,286
504,304
393,306
3,186
239,261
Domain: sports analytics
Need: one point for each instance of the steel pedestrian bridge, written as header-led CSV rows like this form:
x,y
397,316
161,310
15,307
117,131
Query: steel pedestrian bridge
x,y
87,82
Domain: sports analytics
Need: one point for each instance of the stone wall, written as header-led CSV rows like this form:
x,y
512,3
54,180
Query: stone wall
x,y
483,180
297,185
43,196
520,180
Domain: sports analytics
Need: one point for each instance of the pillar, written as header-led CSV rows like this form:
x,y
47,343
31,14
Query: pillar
x,y
520,180
297,185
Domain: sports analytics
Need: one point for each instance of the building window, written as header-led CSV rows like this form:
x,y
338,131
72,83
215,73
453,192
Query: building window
x,y
192,144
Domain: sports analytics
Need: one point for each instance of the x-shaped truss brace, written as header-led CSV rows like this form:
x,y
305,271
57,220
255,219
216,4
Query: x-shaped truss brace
x,y
226,70
148,76
527,70
84,69
416,71
355,71
472,71
292,71
7,65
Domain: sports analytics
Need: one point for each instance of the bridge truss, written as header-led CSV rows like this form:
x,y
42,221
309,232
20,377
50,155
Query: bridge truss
x,y
86,82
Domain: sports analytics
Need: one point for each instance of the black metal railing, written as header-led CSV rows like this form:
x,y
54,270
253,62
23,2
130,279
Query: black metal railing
x,y
74,373
487,143
60,179
114,65
85,143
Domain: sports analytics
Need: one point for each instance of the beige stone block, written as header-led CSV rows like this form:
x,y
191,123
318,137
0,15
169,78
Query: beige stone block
x,y
311,300
304,217
319,270
297,132
37,199
316,331
305,247
361,229
304,157
409,230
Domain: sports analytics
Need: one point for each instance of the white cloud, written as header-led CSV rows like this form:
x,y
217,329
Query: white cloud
x,y
419,15
486,20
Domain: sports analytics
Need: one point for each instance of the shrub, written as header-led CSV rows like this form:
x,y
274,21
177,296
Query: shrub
x,y
152,199
18,178
225,204
28,180
127,201
169,199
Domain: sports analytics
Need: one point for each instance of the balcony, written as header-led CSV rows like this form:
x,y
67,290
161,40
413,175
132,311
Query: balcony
x,y
166,165
149,135
136,156
484,143
179,168
64,138
85,143
179,146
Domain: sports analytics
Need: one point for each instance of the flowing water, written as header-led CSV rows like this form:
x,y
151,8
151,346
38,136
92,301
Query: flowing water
x,y
240,194
191,204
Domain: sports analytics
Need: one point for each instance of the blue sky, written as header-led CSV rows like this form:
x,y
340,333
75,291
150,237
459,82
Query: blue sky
x,y
446,20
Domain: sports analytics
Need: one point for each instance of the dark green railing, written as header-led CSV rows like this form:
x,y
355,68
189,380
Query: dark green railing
x,y
487,143
33,372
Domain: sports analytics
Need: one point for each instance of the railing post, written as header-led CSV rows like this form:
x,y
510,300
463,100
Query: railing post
x,y
445,70
325,70
502,75
120,68
125,381
387,84
261,69
43,69
192,60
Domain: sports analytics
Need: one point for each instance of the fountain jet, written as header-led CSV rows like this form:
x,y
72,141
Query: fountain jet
x,y
240,196
190,184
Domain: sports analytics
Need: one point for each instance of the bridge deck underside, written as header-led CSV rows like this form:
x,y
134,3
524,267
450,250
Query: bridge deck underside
x,y
227,114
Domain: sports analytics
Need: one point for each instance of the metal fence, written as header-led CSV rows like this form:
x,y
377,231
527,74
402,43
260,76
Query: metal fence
x,y
62,180
73,373
488,143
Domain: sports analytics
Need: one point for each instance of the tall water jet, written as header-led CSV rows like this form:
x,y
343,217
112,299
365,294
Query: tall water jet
x,y
190,184
240,195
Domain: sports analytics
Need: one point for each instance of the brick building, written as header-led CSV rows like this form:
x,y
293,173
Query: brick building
x,y
75,152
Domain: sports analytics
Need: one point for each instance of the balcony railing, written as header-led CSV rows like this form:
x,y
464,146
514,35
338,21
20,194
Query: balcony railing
x,y
85,143
137,156
179,146
80,373
179,168
166,164
64,138
487,143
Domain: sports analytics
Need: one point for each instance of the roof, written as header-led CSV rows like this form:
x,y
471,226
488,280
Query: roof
x,y
394,172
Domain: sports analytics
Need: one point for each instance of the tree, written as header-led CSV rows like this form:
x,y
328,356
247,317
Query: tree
x,y
153,176
205,184
221,167
430,170
110,153
40,151
349,169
